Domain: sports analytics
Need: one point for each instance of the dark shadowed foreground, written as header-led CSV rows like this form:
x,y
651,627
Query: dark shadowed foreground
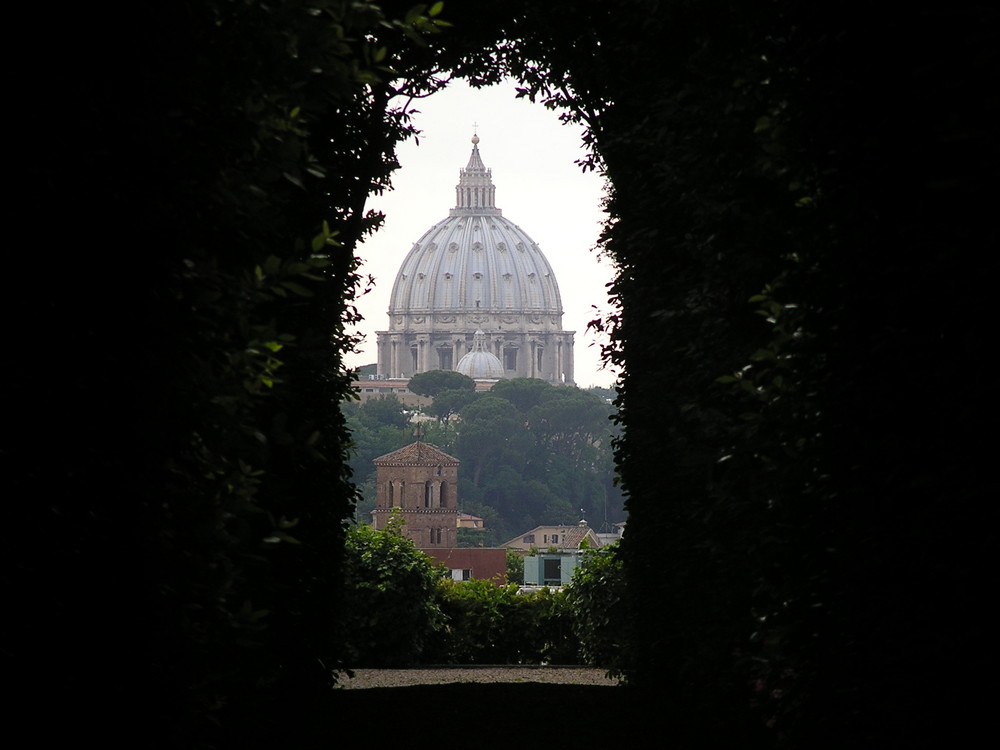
x,y
457,708
486,714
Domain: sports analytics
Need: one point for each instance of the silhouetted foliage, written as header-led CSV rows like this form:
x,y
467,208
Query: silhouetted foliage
x,y
809,494
783,210
220,154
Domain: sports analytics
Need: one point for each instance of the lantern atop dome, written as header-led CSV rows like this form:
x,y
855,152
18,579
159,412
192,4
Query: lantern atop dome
x,y
475,193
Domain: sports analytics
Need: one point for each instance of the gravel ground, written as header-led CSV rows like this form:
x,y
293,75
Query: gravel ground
x,y
381,678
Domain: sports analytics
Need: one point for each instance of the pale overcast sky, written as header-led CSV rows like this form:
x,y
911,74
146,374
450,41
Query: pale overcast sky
x,y
538,187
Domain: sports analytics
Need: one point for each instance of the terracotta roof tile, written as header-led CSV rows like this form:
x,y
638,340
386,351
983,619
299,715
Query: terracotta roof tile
x,y
416,454
569,537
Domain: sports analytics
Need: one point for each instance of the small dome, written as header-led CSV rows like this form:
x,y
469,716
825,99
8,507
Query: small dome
x,y
479,364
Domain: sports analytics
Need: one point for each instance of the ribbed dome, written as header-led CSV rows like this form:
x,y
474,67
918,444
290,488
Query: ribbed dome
x,y
476,275
479,364
475,260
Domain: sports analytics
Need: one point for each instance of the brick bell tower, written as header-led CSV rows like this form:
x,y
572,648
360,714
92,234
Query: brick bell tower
x,y
422,481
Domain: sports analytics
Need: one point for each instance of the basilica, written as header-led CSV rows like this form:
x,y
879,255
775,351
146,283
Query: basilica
x,y
475,294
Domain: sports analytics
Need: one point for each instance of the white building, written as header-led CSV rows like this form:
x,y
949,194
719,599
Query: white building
x,y
476,271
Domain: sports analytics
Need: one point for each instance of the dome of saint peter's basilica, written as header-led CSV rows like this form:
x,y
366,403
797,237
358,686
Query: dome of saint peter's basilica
x,y
476,284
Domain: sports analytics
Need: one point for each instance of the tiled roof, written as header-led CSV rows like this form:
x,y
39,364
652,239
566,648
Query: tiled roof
x,y
569,537
416,454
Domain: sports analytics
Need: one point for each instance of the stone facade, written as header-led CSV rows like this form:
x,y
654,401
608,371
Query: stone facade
x,y
420,482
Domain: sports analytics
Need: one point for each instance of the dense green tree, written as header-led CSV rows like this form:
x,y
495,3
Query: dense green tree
x,y
550,464
572,423
450,402
515,567
490,624
601,621
377,427
442,434
558,510
433,382
390,614
608,394
485,435
387,411
467,538
523,393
